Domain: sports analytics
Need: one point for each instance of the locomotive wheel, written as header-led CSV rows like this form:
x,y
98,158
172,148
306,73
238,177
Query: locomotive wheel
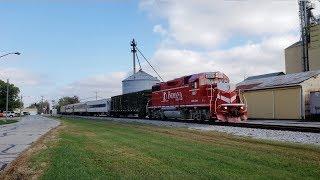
x,y
162,116
202,118
197,116
141,114
155,114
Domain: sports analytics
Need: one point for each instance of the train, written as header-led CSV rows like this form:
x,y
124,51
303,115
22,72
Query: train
x,y
203,96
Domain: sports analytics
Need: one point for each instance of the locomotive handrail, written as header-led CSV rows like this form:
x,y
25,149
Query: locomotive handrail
x,y
211,96
147,109
215,103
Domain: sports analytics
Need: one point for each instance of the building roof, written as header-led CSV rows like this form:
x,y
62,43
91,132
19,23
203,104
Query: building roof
x,y
277,81
141,75
265,75
295,44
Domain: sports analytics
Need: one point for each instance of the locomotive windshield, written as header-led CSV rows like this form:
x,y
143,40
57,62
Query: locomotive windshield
x,y
214,81
214,78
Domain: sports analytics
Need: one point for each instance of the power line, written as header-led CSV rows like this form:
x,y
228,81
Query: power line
x,y
138,61
149,64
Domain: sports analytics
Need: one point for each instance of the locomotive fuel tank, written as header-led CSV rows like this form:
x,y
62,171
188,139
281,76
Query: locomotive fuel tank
x,y
172,113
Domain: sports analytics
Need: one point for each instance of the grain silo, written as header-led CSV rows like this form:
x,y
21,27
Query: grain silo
x,y
140,80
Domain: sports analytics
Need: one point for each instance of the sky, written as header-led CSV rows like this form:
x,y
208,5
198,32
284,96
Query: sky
x,y
81,47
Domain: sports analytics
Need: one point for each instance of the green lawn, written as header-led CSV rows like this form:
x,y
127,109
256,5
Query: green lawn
x,y
3,121
90,149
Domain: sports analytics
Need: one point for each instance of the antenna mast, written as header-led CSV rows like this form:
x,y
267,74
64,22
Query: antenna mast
x,y
134,51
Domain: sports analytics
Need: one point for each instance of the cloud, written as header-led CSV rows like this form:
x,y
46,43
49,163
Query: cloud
x,y
237,62
239,38
105,85
21,77
32,85
209,23
159,29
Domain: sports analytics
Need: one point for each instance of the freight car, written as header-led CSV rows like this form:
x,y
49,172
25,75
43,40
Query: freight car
x,y
134,104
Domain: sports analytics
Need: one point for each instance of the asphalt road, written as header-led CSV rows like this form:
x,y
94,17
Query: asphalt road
x,y
16,137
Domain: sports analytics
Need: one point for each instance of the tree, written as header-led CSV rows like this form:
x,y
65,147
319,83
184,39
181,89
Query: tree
x,y
33,105
67,100
42,107
14,101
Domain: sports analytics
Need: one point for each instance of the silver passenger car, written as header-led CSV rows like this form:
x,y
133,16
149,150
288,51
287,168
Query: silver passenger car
x,y
99,107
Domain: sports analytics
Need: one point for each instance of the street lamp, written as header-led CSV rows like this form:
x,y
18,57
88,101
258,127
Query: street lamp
x,y
15,53
7,99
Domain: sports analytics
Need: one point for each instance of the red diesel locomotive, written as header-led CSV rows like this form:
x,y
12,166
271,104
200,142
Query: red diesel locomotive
x,y
200,96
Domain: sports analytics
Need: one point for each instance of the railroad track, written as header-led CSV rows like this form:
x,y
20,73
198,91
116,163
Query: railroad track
x,y
281,127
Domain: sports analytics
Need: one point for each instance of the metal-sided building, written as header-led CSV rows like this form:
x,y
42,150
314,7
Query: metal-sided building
x,y
280,96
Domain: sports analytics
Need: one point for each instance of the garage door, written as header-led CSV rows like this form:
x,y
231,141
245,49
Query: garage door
x,y
260,104
287,103
274,103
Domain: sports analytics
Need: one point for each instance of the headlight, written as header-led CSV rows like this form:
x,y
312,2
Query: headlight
x,y
242,107
225,107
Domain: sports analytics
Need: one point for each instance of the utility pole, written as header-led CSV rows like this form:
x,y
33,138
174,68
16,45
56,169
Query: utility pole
x,y
96,95
20,105
41,105
7,99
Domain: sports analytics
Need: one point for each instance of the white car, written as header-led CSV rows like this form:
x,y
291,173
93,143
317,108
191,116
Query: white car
x,y
9,114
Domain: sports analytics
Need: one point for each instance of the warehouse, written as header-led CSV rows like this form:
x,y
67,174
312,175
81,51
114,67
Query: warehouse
x,y
280,96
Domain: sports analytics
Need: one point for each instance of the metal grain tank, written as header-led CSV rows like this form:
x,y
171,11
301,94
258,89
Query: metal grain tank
x,y
138,82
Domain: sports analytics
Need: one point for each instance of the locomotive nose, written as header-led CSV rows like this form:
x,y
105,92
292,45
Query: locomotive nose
x,y
234,111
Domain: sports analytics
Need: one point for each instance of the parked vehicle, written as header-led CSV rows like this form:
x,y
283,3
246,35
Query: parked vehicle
x,y
26,113
9,114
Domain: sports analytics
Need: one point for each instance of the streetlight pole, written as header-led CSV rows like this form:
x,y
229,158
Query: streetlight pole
x,y
16,53
7,98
